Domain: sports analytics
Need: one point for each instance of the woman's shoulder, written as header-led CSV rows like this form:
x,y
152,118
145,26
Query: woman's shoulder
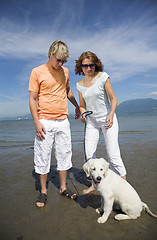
x,y
98,74
105,75
79,85
80,82
102,77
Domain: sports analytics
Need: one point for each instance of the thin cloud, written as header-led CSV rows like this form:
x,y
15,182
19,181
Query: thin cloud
x,y
151,95
148,85
127,47
154,93
3,96
150,75
13,108
124,51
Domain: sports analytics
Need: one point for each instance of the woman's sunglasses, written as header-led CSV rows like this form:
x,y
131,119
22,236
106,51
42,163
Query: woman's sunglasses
x,y
91,66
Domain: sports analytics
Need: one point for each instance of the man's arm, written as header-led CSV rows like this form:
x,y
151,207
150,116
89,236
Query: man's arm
x,y
33,108
72,99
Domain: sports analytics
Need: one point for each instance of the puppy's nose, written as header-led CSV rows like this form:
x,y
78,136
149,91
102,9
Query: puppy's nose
x,y
98,178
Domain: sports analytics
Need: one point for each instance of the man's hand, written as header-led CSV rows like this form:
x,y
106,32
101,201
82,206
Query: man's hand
x,y
77,113
40,131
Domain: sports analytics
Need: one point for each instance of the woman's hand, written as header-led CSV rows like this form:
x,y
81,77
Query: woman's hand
x,y
83,119
109,120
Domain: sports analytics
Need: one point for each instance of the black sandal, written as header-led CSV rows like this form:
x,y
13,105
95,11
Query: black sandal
x,y
42,198
68,193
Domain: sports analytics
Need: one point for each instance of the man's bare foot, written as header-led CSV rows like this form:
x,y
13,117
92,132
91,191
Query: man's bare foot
x,y
41,200
40,205
88,190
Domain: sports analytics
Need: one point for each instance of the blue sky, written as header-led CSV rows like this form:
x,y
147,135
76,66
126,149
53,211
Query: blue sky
x,y
122,33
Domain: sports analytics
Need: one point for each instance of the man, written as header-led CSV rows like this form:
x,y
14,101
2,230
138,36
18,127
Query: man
x,y
49,88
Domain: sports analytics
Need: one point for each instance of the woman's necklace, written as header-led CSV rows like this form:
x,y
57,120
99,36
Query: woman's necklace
x,y
90,82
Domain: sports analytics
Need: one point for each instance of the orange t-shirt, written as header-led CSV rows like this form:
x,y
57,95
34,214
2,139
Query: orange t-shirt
x,y
51,86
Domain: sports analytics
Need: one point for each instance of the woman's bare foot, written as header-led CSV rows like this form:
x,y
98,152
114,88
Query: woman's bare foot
x,y
68,193
89,190
124,177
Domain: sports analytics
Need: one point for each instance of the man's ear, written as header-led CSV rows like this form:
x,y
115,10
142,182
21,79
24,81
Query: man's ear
x,y
86,168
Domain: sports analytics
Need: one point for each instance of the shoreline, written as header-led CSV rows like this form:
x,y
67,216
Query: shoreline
x,y
63,218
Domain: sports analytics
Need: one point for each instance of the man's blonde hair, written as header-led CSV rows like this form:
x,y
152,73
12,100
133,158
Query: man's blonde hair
x,y
59,46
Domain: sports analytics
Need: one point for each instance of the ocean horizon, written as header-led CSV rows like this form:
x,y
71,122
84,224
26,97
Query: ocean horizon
x,y
19,134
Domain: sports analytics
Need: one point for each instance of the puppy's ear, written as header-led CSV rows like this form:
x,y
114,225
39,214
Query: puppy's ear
x,y
86,169
106,167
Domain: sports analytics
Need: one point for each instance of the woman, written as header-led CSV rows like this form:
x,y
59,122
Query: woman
x,y
95,91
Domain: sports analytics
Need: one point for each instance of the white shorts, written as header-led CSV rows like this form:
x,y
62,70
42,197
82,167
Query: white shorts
x,y
58,136
93,128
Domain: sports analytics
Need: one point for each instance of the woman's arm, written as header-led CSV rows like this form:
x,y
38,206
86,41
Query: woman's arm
x,y
113,100
82,107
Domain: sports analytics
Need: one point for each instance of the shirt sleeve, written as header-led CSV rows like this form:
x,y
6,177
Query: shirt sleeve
x,y
78,86
68,81
105,77
33,82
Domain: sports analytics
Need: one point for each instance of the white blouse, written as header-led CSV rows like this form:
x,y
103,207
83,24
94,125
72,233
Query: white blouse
x,y
95,97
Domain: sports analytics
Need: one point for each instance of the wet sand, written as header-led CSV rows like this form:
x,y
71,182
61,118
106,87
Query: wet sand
x,y
65,219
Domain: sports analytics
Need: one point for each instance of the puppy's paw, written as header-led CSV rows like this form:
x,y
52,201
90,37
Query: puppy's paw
x,y
119,217
101,220
99,211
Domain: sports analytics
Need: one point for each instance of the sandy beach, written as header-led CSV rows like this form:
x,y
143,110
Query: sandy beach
x,y
66,219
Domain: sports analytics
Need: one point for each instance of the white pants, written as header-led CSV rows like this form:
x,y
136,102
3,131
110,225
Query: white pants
x,y
93,128
58,136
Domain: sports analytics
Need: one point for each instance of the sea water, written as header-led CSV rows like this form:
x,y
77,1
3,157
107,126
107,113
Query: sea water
x,y
18,135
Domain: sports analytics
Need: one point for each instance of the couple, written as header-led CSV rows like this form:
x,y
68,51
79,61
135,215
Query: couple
x,y
49,89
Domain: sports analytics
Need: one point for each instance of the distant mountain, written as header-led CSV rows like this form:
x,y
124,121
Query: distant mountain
x,y
140,106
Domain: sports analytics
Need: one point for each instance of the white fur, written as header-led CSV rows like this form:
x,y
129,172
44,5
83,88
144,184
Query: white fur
x,y
114,189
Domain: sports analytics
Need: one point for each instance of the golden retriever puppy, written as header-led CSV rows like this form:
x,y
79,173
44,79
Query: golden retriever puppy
x,y
114,189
